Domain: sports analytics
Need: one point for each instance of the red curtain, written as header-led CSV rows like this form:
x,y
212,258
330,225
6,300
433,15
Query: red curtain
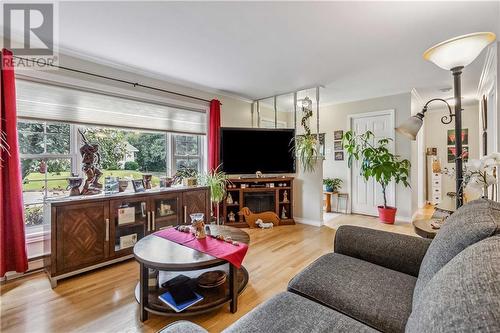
x,y
213,135
12,242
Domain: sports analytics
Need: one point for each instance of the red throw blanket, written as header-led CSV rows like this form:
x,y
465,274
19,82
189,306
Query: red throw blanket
x,y
214,247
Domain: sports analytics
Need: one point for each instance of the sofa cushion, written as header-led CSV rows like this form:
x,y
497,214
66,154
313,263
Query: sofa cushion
x,y
291,313
470,224
182,326
375,295
464,296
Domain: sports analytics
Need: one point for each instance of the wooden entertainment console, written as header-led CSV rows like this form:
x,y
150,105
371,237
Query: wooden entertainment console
x,y
87,232
259,194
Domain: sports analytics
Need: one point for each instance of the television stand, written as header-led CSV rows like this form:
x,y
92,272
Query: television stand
x,y
258,194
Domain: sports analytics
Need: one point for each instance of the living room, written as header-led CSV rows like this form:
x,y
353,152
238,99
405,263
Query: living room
x,y
250,166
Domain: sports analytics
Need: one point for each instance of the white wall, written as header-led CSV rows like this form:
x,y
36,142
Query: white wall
x,y
335,117
436,137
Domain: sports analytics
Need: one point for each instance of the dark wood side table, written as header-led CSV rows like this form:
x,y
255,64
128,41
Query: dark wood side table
x,y
423,228
153,252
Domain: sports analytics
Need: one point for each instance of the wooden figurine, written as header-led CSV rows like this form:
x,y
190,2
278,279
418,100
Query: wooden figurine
x,y
90,160
285,196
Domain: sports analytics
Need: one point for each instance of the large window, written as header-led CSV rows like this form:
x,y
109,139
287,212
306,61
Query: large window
x,y
49,154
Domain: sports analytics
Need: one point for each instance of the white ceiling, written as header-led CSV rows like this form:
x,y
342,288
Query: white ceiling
x,y
357,50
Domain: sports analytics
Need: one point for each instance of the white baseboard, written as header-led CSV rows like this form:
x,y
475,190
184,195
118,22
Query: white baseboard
x,y
403,218
308,221
33,266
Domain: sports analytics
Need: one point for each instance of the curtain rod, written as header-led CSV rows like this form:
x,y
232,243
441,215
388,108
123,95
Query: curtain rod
x,y
135,84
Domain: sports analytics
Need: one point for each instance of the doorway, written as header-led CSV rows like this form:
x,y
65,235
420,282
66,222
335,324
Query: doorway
x,y
367,195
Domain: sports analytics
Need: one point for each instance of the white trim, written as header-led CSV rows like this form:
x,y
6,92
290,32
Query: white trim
x,y
400,218
350,118
308,221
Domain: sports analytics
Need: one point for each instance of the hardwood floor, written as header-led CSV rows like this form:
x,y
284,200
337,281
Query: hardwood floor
x,y
103,300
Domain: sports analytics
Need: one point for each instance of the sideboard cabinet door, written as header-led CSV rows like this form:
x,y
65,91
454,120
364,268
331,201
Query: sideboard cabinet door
x,y
195,201
82,235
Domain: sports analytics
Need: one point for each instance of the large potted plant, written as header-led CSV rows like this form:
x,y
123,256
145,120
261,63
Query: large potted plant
x,y
379,163
217,182
332,184
306,145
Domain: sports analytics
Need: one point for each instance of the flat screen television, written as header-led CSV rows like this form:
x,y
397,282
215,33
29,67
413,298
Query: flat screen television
x,y
248,150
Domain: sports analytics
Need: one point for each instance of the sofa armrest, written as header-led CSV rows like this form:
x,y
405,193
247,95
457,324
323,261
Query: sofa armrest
x,y
394,251
182,326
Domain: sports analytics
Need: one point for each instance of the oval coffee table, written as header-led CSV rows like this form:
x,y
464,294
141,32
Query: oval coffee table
x,y
153,252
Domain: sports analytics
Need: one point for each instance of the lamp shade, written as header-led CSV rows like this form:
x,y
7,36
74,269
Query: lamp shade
x,y
410,127
459,51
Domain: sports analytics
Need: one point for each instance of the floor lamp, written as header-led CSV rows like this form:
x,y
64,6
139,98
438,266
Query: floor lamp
x,y
453,55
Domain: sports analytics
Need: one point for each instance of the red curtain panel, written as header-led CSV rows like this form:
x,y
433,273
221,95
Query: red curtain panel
x,y
214,135
12,242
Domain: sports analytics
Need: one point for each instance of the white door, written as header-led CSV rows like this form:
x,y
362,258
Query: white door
x,y
367,195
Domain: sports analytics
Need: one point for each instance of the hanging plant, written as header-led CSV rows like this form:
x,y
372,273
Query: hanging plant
x,y
306,146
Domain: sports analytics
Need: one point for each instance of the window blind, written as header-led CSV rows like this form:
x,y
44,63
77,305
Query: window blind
x,y
45,101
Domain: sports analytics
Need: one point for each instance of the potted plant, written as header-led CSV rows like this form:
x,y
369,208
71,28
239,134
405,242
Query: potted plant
x,y
379,163
332,184
217,182
306,146
186,177
480,175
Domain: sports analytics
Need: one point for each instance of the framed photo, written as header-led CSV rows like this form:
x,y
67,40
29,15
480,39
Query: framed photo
x,y
138,185
337,135
451,154
128,241
339,156
451,137
337,145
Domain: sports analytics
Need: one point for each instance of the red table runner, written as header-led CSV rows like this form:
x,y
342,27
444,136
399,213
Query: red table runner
x,y
214,247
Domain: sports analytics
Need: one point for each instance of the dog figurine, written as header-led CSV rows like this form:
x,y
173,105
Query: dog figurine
x,y
251,218
263,225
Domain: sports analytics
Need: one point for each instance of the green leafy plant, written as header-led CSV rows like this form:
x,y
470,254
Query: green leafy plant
x,y
332,184
184,173
306,146
131,165
376,160
217,182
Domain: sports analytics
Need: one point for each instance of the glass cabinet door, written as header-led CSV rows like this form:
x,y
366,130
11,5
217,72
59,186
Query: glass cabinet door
x,y
129,219
166,211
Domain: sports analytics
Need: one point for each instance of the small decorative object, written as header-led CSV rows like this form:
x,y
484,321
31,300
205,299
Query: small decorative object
x,y
90,160
198,224
283,213
271,185
146,178
285,197
74,184
339,156
166,182
128,241
111,185
243,185
165,209
251,218
122,185
258,174
212,279
138,185
207,230
268,185
190,181
235,202
436,165
231,216
337,135
337,145
229,199
263,225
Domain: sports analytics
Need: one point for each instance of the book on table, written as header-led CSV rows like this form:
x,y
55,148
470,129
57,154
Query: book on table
x,y
168,299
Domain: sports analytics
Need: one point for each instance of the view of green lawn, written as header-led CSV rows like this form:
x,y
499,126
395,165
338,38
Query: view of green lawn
x,y
57,181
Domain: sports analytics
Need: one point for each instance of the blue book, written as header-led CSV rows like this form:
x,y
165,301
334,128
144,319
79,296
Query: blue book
x,y
169,300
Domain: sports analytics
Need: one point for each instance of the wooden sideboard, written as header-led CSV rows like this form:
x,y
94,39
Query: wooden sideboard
x,y
87,232
243,190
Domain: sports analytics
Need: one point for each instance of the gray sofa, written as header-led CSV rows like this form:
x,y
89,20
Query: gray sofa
x,y
380,281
